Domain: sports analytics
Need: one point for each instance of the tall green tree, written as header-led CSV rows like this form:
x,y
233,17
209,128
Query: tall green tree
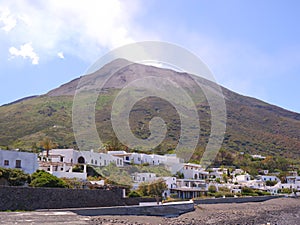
x,y
156,188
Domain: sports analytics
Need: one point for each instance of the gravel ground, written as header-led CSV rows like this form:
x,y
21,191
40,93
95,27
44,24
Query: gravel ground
x,y
276,211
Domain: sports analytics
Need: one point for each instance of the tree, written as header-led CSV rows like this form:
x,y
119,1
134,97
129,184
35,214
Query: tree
x,y
47,144
143,189
41,178
156,188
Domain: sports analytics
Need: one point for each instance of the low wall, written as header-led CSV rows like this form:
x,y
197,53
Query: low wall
x,y
165,210
137,200
236,200
26,198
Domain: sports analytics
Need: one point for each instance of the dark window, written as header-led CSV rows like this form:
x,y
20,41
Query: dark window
x,y
18,163
61,158
6,162
81,160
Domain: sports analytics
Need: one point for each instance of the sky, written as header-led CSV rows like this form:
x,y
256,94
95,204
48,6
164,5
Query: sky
x,y
251,46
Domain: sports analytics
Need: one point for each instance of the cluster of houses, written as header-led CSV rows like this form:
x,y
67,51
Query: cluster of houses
x,y
194,181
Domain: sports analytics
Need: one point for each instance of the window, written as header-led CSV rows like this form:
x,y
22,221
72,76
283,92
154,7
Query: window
x,y
18,163
96,162
6,162
92,161
61,158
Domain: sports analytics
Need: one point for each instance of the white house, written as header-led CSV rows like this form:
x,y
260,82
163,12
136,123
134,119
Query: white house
x,y
190,188
142,158
138,178
171,184
293,181
237,172
193,171
242,178
63,170
268,178
83,157
26,161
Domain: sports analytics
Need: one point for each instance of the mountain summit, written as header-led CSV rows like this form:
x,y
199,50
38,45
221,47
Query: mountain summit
x,y
253,126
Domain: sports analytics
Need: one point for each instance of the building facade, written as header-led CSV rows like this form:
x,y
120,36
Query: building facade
x,y
13,159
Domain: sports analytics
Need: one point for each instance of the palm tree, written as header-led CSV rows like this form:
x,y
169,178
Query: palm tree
x,y
47,144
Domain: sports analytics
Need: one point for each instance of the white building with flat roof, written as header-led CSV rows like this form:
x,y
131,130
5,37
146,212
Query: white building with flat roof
x,y
82,157
194,171
14,159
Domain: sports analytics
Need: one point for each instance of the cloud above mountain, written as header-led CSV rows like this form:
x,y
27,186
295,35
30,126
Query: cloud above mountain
x,y
80,28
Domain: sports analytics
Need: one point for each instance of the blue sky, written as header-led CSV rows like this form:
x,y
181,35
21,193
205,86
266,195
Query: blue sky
x,y
252,47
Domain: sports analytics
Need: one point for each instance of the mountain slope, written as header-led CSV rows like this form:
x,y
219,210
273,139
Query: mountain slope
x,y
253,126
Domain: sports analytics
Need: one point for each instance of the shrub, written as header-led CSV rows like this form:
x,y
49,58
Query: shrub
x,y
212,189
286,190
271,183
41,178
224,189
78,168
14,177
133,194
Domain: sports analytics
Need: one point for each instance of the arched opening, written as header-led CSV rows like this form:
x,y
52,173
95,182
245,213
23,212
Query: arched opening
x,y
196,176
81,160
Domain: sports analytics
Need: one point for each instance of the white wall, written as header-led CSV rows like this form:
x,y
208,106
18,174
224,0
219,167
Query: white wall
x,y
29,161
89,157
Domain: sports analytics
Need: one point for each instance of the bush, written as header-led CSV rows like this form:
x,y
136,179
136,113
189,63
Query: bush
x,y
224,189
133,194
286,190
212,189
41,178
78,168
219,195
14,177
211,194
271,183
247,190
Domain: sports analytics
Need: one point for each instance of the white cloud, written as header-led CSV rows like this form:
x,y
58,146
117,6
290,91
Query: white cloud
x,y
26,51
60,55
7,19
85,29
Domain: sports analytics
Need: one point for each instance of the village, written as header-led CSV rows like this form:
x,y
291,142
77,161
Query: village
x,y
187,180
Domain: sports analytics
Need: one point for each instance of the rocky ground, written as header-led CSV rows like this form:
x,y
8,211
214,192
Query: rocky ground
x,y
276,211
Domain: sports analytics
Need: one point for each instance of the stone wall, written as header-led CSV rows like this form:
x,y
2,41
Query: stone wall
x,y
235,200
26,198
